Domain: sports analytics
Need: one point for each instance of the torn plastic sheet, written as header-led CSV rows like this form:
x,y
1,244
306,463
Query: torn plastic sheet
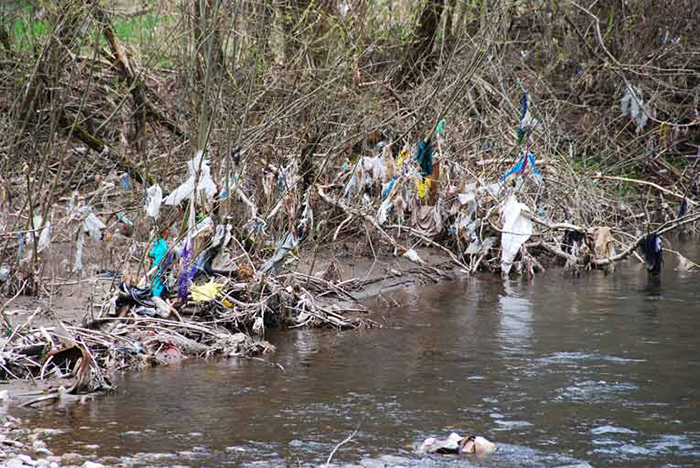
x,y
20,247
287,244
199,172
375,166
198,228
479,248
350,187
632,104
93,226
388,196
387,188
306,223
44,231
45,237
286,176
154,199
413,256
259,326
517,229
465,198
78,263
468,199
230,185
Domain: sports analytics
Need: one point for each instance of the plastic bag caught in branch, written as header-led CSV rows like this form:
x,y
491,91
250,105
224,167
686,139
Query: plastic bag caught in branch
x,y
199,173
44,232
306,223
45,237
93,226
526,160
287,244
632,104
517,229
154,198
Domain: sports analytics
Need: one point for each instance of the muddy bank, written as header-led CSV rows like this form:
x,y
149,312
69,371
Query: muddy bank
x,y
50,332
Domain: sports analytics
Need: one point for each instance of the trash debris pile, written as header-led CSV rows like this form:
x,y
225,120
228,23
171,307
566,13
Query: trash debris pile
x,y
456,444
203,267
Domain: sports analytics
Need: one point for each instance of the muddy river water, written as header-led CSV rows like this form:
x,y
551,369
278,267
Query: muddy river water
x,y
559,371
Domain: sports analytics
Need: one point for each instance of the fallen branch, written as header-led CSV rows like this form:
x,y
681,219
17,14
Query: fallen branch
x,y
663,229
650,184
335,449
350,211
434,244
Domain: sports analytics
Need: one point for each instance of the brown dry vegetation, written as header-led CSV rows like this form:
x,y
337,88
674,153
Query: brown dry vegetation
x,y
101,90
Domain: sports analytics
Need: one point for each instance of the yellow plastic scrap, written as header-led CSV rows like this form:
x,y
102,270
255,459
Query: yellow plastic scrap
x,y
205,292
423,187
402,156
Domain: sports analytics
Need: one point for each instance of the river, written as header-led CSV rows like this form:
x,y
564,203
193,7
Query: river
x,y
558,371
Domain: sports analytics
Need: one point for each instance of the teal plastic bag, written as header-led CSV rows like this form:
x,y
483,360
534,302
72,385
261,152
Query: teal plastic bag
x,y
158,253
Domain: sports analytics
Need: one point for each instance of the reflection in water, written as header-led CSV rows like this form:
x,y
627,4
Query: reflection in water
x,y
653,288
558,371
515,319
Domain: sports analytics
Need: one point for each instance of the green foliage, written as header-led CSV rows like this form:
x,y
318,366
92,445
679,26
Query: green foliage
x,y
137,28
27,32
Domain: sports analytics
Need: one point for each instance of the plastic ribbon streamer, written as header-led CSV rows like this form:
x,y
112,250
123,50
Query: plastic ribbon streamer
x,y
523,112
187,272
158,253
527,159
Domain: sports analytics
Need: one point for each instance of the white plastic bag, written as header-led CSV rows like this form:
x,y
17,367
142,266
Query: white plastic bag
x,y
44,231
517,229
632,104
412,255
93,226
154,198
199,171
45,237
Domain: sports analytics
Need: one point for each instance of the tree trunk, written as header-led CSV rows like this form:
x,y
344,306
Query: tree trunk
x,y
449,15
419,54
206,21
